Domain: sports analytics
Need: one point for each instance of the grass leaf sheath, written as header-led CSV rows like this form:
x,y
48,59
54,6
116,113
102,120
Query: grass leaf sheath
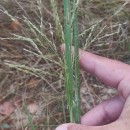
x,y
72,63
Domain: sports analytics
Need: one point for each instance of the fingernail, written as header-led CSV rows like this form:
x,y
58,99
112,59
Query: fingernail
x,y
62,47
62,127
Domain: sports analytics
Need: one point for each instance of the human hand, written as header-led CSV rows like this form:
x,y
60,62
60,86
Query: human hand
x,y
113,114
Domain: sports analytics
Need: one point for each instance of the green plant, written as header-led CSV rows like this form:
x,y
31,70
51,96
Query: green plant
x,y
72,65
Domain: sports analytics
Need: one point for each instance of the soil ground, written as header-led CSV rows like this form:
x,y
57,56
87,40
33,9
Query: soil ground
x,y
32,90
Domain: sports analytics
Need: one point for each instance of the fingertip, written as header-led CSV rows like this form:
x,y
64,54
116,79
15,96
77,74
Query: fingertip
x,y
63,126
62,48
85,120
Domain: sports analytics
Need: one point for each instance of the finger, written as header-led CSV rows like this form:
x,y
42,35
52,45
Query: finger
x,y
117,125
126,110
106,112
72,126
113,73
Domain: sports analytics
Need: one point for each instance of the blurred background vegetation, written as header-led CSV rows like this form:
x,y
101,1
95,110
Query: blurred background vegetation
x,y
32,66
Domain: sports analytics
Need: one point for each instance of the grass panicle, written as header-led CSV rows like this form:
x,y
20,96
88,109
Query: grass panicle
x,y
31,67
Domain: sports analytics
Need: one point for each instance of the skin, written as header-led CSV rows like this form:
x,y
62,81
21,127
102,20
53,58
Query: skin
x,y
112,114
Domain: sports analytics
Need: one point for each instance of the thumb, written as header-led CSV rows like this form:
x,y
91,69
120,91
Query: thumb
x,y
72,126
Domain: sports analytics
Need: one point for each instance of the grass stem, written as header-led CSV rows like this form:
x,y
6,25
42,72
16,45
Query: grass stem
x,y
72,68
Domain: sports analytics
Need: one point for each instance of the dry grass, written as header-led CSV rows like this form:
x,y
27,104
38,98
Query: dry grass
x,y
33,71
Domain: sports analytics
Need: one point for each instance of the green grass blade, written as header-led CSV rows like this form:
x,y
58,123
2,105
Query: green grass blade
x,y
68,57
76,68
29,118
72,81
